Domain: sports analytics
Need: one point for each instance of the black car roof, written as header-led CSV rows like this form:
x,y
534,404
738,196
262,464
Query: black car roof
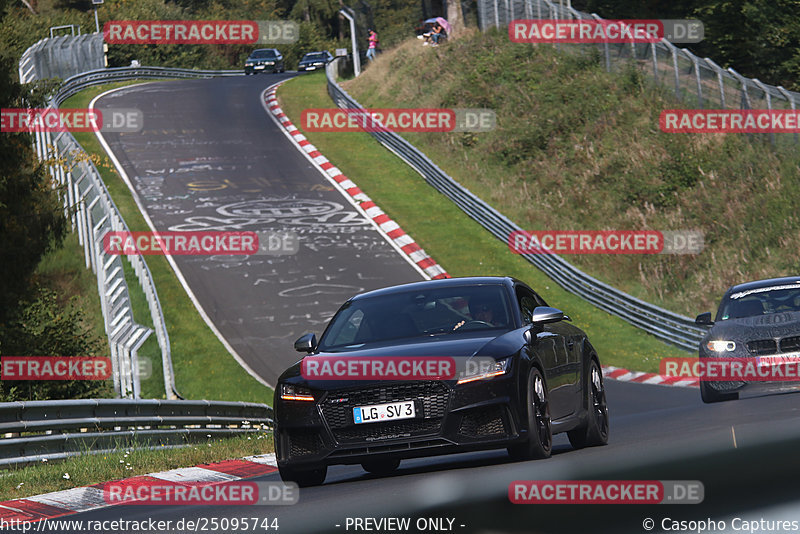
x,y
764,283
444,282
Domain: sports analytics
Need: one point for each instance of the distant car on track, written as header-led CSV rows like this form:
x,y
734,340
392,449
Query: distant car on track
x,y
542,377
314,61
758,320
263,60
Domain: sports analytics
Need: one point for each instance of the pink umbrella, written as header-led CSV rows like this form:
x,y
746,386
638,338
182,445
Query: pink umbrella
x,y
445,24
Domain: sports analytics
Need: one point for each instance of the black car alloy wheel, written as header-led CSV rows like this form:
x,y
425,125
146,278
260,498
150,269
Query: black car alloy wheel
x,y
540,435
595,431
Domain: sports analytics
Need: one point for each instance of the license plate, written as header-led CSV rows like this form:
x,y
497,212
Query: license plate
x,y
259,67
311,68
384,412
779,359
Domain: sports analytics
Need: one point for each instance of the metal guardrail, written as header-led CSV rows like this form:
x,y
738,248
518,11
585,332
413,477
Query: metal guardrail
x,y
39,430
93,213
75,84
694,80
667,326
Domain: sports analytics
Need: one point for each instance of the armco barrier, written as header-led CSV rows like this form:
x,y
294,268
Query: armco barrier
x,y
664,324
49,430
93,213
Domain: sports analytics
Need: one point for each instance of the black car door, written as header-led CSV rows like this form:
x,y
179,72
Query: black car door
x,y
551,343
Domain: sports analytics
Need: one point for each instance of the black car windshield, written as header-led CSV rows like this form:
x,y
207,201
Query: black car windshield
x,y
759,301
438,312
263,54
318,56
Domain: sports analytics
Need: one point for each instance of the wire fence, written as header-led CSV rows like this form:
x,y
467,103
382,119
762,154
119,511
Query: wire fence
x,y
697,82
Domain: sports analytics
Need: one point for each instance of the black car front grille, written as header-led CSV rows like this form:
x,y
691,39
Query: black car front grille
x,y
762,347
304,442
430,401
790,344
483,422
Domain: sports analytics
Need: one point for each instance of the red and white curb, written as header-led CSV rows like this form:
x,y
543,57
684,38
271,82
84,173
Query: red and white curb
x,y
401,240
625,375
75,500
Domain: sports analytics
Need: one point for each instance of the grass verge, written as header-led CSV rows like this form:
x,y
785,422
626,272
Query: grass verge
x,y
458,243
88,469
203,367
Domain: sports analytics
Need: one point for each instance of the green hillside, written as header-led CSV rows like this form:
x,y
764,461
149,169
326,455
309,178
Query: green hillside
x,y
576,148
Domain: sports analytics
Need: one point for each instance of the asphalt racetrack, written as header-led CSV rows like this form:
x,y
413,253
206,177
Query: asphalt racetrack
x,y
210,158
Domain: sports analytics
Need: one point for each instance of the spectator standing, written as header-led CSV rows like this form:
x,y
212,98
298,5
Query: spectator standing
x,y
373,45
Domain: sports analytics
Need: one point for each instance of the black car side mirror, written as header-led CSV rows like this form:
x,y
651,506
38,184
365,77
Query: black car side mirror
x,y
704,319
306,343
545,314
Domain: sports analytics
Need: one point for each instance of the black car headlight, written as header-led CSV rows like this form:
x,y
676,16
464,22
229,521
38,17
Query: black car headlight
x,y
295,393
498,368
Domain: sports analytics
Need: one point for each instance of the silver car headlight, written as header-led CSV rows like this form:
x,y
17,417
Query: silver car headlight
x,y
719,345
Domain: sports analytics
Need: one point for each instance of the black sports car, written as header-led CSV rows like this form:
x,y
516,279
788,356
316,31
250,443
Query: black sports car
x,y
263,60
314,61
757,320
544,378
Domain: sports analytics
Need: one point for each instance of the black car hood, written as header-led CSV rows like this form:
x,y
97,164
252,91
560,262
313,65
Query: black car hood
x,y
772,325
462,346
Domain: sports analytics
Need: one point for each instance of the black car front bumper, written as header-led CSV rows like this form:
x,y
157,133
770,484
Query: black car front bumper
x,y
450,419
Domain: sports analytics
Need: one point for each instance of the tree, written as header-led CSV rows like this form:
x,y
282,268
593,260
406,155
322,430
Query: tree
x,y
454,16
31,215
